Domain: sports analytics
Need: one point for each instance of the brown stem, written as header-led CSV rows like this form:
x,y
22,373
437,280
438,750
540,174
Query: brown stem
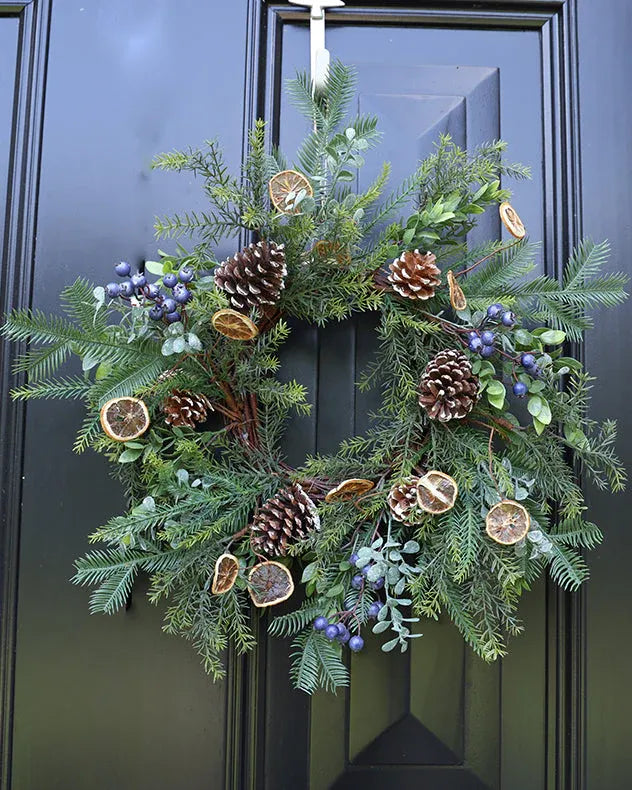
x,y
486,258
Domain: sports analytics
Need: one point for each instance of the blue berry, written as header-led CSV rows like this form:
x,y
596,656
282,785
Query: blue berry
x,y
357,581
535,372
494,310
181,293
169,305
123,269
173,318
170,280
152,291
366,569
527,360
320,623
374,609
475,344
487,351
138,280
186,274
126,288
488,337
520,389
471,335
112,290
356,643
508,319
377,584
331,632
354,558
343,638
156,312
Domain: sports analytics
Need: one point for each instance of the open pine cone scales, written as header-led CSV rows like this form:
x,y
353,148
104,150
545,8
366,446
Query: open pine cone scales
x,y
184,409
284,519
253,277
414,275
448,389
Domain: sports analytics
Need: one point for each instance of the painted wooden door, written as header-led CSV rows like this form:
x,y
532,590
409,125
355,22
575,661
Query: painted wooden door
x,y
88,92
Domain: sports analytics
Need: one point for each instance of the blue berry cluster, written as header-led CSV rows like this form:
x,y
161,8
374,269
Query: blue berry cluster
x,y
338,631
483,340
357,582
165,307
530,365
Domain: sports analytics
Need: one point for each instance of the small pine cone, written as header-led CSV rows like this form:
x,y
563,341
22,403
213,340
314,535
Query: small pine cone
x,y
288,517
415,275
186,409
253,277
448,389
402,500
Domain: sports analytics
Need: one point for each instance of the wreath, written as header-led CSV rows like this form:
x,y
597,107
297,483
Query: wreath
x,y
463,491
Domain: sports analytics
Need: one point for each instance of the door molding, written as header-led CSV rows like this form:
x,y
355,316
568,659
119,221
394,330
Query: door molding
x,y
18,252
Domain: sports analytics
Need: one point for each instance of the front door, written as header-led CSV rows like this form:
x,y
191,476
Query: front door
x,y
89,91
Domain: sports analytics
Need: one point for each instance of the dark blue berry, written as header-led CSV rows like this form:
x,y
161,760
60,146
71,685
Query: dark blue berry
x,y
508,319
374,609
520,389
527,360
487,351
186,274
156,312
331,632
475,344
170,280
181,293
356,643
138,280
377,584
343,635
494,310
173,318
357,581
471,335
169,305
320,623
366,569
112,290
535,372
126,288
354,558
152,291
123,269
488,337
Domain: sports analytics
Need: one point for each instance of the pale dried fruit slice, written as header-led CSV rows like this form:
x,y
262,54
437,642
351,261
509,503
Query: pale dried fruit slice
x,y
507,522
349,488
436,492
457,297
270,583
510,219
124,419
226,572
236,326
284,189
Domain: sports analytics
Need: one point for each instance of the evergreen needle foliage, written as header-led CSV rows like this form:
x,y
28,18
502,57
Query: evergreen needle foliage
x,y
211,486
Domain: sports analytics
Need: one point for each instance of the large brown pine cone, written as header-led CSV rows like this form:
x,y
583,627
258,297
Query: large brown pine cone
x,y
288,517
253,277
448,389
186,409
415,275
402,501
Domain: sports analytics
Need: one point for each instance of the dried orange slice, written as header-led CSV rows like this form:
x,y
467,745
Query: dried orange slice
x,y
226,572
507,522
236,326
270,583
333,249
349,488
436,492
285,187
511,220
457,297
124,419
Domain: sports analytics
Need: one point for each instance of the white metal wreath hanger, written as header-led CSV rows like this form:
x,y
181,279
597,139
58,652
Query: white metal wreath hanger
x,y
319,54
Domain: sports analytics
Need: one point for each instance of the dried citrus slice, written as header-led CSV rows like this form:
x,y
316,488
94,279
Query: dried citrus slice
x,y
457,297
234,325
333,249
511,220
285,187
124,419
226,572
348,489
507,522
270,583
436,492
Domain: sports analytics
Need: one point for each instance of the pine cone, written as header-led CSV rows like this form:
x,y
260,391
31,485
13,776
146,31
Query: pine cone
x,y
448,389
402,500
414,275
185,409
253,277
286,518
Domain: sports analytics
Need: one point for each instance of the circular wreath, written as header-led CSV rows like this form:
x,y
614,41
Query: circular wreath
x,y
464,489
